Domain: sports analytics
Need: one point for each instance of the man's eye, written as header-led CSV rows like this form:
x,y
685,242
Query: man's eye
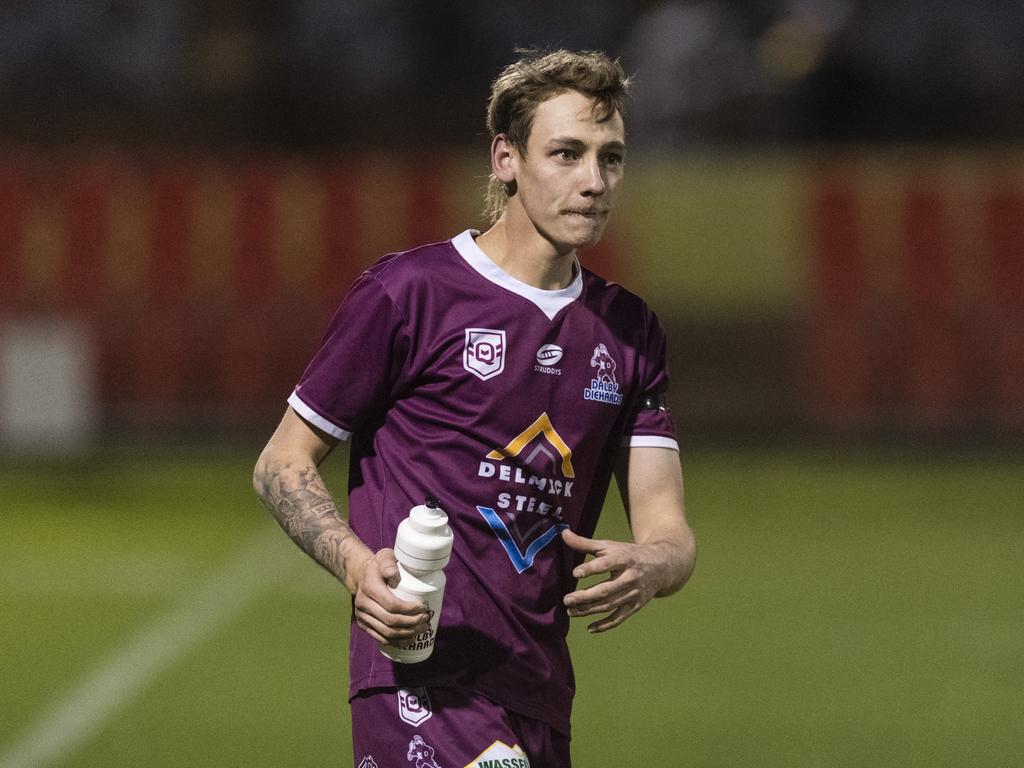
x,y
565,154
613,159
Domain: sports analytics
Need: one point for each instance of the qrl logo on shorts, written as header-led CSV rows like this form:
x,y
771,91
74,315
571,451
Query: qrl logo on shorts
x,y
484,352
414,705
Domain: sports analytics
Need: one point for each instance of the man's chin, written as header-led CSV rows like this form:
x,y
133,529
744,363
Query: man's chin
x,y
586,235
569,239
588,240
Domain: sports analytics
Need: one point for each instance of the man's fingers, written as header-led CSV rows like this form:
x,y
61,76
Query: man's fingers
x,y
602,603
388,611
383,605
387,566
368,625
384,616
390,576
604,606
581,543
389,630
614,619
597,592
376,589
591,609
600,564
632,579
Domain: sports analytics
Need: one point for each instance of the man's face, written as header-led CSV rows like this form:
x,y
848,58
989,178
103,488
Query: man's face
x,y
572,169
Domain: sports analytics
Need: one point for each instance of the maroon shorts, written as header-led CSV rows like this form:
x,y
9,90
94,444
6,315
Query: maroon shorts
x,y
448,728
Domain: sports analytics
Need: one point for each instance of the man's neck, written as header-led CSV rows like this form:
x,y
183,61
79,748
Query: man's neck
x,y
526,255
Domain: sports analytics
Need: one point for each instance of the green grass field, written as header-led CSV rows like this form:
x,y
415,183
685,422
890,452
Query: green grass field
x,y
847,610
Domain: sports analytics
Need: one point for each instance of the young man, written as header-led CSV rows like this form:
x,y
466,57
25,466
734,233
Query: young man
x,y
495,372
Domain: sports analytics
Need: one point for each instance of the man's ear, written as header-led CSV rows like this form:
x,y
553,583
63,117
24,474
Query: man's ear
x,y
503,156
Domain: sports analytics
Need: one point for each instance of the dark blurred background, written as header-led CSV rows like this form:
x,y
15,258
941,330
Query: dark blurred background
x,y
825,202
321,74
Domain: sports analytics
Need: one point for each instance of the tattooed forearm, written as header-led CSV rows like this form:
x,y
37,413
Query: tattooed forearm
x,y
329,553
300,502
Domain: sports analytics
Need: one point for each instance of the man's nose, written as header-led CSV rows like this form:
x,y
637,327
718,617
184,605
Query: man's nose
x,y
593,182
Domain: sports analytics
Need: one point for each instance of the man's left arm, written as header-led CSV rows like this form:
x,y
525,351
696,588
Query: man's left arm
x,y
661,556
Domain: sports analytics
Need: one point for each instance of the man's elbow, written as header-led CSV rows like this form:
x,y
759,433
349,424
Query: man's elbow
x,y
263,475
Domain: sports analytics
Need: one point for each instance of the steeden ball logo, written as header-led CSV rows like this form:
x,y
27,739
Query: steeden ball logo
x,y
549,354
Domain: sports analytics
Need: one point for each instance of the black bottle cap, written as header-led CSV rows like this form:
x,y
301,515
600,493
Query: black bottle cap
x,y
433,502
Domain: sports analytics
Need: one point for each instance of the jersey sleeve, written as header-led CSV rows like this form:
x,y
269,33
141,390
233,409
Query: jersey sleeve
x,y
651,423
359,363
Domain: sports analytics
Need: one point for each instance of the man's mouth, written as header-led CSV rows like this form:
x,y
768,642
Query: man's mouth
x,y
588,212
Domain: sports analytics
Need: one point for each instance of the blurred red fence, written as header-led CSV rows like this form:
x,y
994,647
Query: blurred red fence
x,y
918,296
208,282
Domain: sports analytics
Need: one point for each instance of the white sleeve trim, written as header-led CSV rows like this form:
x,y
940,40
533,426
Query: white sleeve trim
x,y
650,441
316,419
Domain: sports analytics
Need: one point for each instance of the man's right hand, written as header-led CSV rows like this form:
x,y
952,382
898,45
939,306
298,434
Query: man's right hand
x,y
386,618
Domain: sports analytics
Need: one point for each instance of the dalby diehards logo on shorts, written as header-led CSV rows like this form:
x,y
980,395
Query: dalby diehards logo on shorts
x,y
422,753
536,476
604,387
484,352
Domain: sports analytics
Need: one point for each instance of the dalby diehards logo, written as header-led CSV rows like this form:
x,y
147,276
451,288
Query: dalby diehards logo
x,y
604,387
422,753
536,471
484,352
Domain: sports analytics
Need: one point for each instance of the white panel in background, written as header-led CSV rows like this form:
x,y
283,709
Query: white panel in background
x,y
47,385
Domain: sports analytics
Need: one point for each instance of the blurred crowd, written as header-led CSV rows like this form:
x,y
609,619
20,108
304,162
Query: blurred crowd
x,y
313,74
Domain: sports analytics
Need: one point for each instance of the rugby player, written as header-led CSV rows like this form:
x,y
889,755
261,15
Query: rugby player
x,y
496,372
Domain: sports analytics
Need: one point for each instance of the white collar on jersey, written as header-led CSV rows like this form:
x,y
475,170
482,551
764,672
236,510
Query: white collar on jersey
x,y
549,302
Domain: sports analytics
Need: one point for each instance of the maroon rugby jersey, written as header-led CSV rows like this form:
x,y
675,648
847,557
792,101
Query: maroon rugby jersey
x,y
510,404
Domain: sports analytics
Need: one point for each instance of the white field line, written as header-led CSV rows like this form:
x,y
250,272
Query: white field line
x,y
82,711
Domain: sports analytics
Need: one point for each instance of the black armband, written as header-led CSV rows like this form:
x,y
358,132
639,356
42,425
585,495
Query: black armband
x,y
654,401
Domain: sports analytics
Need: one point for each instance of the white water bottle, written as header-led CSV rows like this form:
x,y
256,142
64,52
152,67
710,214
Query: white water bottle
x,y
423,547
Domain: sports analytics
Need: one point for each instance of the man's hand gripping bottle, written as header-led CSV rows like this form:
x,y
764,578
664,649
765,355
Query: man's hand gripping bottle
x,y
423,546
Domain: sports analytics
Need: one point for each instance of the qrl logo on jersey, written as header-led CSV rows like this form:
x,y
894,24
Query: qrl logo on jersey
x,y
484,352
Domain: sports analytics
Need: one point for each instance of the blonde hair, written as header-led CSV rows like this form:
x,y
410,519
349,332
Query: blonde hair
x,y
535,77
